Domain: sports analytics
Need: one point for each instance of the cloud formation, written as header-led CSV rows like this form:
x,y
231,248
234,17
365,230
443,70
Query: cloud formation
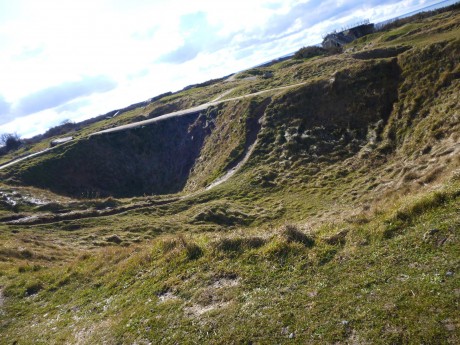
x,y
202,37
54,96
4,110
198,35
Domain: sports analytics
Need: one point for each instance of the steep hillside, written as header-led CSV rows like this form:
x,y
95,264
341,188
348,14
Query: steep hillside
x,y
309,201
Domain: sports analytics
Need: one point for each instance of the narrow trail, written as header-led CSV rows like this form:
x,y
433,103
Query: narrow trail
x,y
193,110
233,170
188,111
2,300
222,95
13,162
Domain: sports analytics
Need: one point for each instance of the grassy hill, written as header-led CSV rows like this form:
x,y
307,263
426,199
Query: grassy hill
x,y
339,226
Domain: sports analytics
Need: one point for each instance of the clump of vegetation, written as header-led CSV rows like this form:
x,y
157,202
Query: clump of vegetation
x,y
238,244
176,246
293,234
114,239
223,215
33,288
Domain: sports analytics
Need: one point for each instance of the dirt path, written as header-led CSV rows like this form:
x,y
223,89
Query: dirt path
x,y
232,171
193,110
24,158
222,95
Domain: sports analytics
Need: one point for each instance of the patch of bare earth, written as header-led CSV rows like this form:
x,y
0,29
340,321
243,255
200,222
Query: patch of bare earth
x,y
2,300
225,282
167,296
196,310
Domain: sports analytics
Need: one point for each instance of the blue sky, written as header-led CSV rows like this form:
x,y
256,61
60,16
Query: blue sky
x,y
72,60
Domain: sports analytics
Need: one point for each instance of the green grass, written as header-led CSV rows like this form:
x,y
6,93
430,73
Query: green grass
x,y
240,289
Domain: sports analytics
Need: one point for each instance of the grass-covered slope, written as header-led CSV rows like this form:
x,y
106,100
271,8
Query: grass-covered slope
x,y
341,227
388,278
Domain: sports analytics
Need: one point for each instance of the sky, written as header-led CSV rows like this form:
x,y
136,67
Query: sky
x,y
72,60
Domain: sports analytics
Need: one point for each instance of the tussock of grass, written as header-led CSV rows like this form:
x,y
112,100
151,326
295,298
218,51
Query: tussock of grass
x,y
406,215
337,238
292,233
180,246
238,244
33,288
7,253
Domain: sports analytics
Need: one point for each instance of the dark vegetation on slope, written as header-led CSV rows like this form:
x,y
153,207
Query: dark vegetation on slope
x,y
331,119
148,160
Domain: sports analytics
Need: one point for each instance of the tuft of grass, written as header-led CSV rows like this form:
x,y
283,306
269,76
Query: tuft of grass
x,y
238,244
180,246
114,239
338,238
424,204
292,233
193,251
408,214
